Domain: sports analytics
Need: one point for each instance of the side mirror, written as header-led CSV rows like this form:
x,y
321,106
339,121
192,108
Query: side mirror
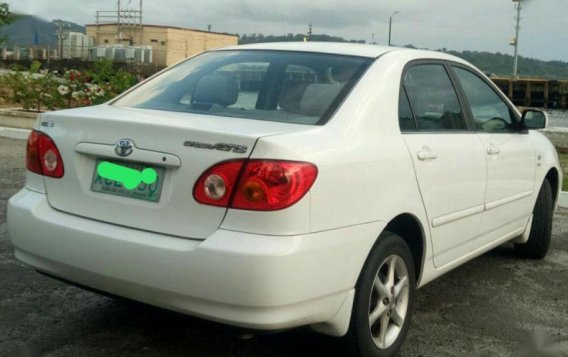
x,y
534,119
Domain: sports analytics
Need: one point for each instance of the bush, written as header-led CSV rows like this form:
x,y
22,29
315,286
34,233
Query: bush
x,y
32,90
37,92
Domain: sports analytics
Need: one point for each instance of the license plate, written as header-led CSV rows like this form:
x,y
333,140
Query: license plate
x,y
146,192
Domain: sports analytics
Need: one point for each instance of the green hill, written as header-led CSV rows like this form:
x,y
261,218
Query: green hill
x,y
492,63
259,38
502,65
25,29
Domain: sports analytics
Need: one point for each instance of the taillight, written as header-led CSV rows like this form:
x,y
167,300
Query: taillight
x,y
32,153
215,186
263,185
268,185
42,156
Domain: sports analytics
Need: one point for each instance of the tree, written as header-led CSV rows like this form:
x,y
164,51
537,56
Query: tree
x,y
5,14
5,17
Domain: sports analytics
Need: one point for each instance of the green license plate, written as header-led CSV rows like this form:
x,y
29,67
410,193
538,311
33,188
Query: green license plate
x,y
145,192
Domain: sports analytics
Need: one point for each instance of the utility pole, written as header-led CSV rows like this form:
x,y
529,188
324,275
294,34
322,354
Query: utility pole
x,y
309,32
60,39
62,34
390,26
140,23
118,23
516,39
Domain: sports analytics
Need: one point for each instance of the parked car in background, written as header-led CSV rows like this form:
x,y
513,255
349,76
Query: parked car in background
x,y
281,185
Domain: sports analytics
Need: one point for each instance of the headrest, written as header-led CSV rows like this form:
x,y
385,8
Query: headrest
x,y
291,96
217,90
318,98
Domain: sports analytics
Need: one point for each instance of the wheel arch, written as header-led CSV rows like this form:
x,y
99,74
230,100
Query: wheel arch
x,y
409,228
553,177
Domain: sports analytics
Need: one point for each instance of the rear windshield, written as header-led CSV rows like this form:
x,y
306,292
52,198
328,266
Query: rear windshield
x,y
292,87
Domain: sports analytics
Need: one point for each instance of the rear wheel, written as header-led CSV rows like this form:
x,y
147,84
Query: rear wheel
x,y
539,239
383,299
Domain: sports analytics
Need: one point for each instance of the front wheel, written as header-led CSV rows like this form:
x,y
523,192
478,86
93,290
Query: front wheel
x,y
383,299
539,239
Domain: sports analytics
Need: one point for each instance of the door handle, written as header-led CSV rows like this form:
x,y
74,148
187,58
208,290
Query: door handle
x,y
493,150
427,155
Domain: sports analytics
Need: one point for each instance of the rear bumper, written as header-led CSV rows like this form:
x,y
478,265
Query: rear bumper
x,y
247,280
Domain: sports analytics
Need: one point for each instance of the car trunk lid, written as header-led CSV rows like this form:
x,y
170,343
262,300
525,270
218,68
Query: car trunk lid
x,y
178,146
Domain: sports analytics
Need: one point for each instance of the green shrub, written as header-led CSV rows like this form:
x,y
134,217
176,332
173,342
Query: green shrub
x,y
38,92
18,68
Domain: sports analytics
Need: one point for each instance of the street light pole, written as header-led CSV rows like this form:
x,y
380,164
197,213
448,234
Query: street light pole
x,y
390,26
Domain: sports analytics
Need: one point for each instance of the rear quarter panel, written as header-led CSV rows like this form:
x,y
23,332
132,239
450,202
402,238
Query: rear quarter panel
x,y
365,173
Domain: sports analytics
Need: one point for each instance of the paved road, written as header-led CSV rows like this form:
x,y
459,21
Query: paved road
x,y
485,308
558,118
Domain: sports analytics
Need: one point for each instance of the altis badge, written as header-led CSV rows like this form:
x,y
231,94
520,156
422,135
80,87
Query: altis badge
x,y
238,149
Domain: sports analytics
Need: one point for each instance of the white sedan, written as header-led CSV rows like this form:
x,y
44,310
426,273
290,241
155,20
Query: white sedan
x,y
281,185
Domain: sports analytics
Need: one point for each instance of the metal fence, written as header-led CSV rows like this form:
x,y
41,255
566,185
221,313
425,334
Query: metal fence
x,y
80,50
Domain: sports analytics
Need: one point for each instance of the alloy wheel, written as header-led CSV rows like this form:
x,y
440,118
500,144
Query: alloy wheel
x,y
388,304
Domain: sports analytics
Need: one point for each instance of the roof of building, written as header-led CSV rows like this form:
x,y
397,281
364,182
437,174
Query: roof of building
x,y
172,27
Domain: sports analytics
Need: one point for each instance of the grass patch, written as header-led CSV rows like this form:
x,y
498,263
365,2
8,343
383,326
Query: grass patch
x,y
564,163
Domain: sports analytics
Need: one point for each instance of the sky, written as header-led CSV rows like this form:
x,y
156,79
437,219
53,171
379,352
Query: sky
x,y
475,25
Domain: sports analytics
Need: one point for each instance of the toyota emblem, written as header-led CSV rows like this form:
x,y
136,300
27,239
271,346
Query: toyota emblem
x,y
124,147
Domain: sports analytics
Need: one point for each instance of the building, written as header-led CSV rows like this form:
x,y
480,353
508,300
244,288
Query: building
x,y
169,44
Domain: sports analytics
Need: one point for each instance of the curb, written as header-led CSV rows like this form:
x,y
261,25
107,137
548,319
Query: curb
x,y
14,118
14,133
563,199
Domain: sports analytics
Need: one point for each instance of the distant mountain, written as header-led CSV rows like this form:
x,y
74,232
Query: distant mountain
x,y
491,63
26,29
258,38
502,65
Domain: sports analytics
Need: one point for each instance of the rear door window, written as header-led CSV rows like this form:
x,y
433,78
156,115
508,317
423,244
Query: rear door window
x,y
405,116
434,99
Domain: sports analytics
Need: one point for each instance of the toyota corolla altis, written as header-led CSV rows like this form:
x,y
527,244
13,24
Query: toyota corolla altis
x,y
281,185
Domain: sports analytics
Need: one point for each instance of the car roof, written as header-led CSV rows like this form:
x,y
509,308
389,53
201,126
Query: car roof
x,y
341,48
351,49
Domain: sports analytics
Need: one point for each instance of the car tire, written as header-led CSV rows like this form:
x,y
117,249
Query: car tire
x,y
383,299
539,239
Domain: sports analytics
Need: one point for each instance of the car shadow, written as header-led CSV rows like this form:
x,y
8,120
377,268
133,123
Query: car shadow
x,y
169,333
